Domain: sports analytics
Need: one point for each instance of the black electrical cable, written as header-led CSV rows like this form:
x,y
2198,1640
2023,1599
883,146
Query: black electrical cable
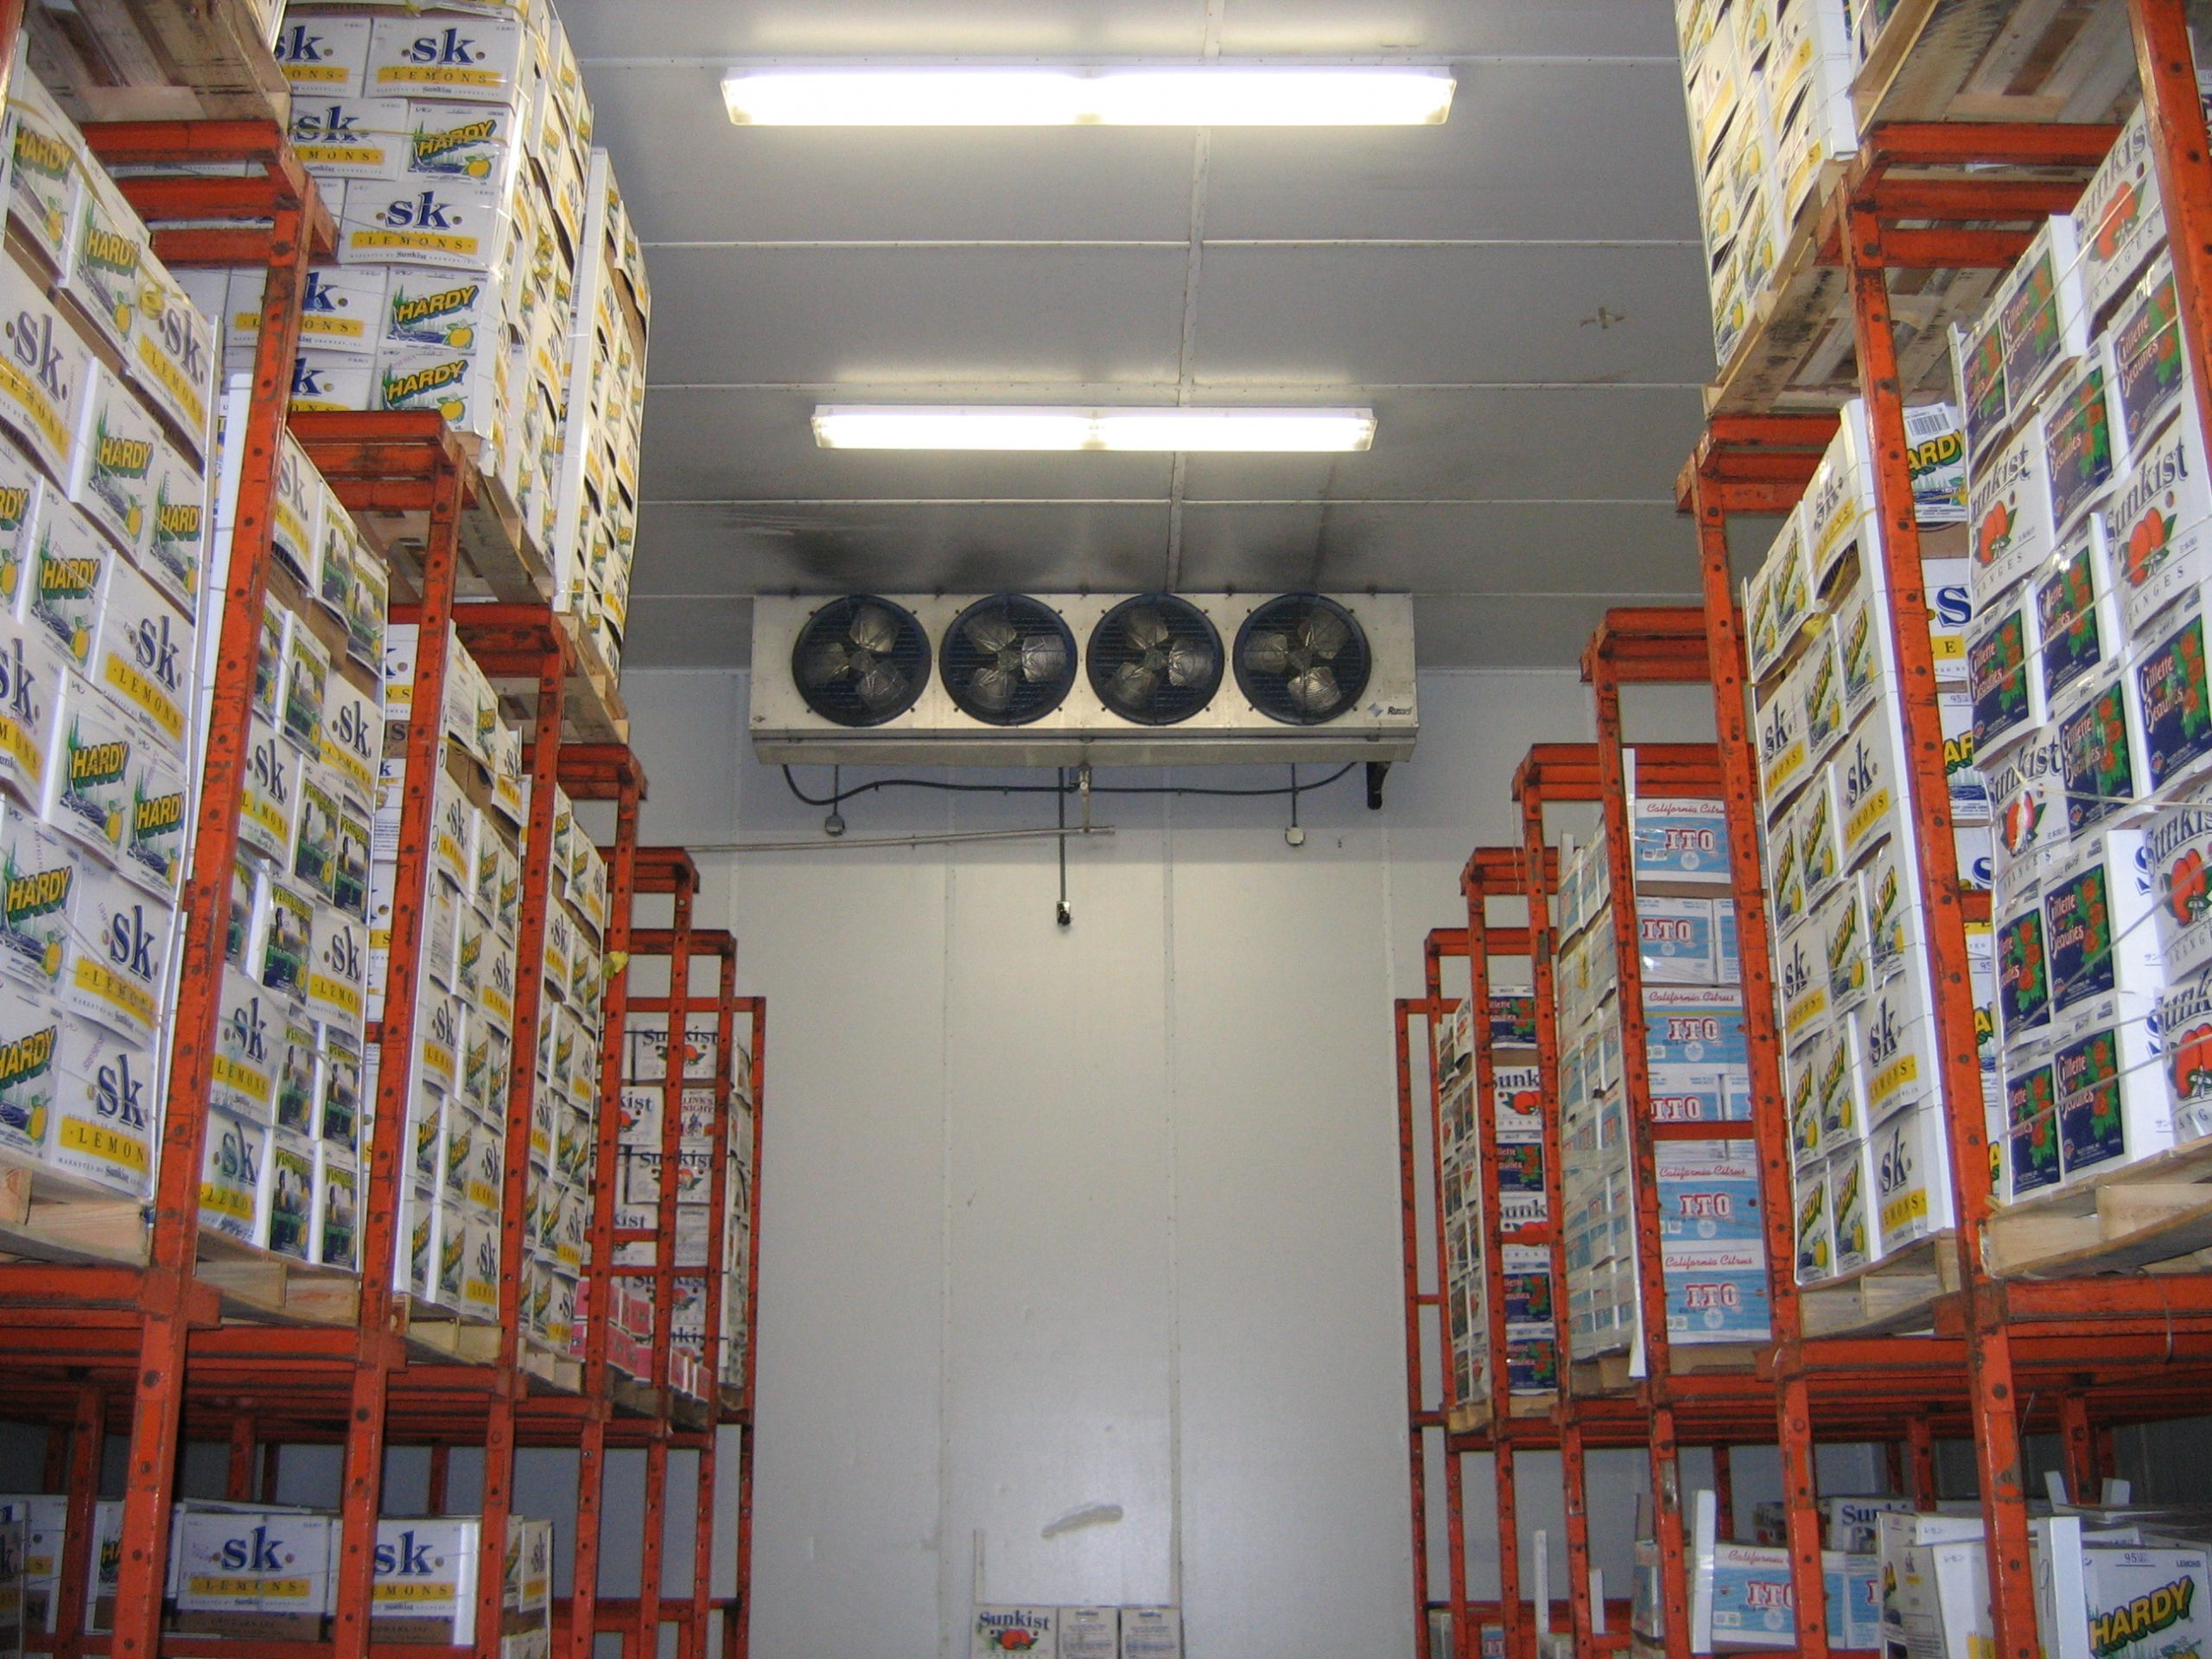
x,y
838,794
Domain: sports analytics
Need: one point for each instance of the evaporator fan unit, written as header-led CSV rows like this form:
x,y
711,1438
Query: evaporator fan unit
x,y
1008,659
860,661
1302,659
1155,660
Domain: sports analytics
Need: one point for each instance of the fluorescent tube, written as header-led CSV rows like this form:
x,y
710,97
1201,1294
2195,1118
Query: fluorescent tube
x,y
845,426
1213,95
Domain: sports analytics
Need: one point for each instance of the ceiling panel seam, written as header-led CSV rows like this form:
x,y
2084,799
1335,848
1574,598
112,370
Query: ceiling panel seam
x,y
1142,245
1666,501
1079,386
1413,55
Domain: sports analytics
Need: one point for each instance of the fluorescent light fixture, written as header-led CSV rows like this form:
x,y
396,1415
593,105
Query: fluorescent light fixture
x,y
1210,95
1250,431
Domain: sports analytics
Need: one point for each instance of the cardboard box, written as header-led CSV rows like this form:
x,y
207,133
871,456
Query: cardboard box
x,y
1778,597
1978,360
1896,1039
1785,752
2171,696
2031,1162
1912,1183
31,679
458,59
2097,920
1674,839
2007,693
1839,503
2086,446
46,166
2010,504
106,1116
89,768
287,941
2102,773
1851,1189
2145,366
341,1103
307,686
335,1231
112,480
2113,1107
246,1054
434,225
102,270
244,1571
2023,969
2043,314
143,653
2075,618
67,579
116,958
40,886
1846,950
2156,521
426,1573
234,1188
324,56
1869,784
1820,846
175,352
2030,832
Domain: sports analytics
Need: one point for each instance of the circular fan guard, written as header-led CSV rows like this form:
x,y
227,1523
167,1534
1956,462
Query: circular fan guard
x,y
1155,660
860,661
1008,659
1302,659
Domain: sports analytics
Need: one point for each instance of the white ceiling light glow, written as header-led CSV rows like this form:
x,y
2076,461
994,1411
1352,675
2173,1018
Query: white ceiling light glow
x,y
1210,95
1247,431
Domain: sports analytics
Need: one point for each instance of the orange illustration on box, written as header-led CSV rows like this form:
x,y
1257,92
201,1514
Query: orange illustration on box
x,y
1017,1640
2119,219
2186,887
2146,542
1996,534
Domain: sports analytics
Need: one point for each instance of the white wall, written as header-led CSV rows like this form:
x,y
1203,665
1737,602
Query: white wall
x,y
1101,1217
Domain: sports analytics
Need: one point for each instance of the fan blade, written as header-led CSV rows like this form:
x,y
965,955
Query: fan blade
x,y
1188,663
826,662
1043,659
1133,685
874,630
1324,633
991,633
1144,628
1315,690
992,687
880,685
1267,653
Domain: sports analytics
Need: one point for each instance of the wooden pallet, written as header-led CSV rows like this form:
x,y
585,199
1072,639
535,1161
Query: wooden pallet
x,y
159,60
1999,60
442,1334
1476,1416
498,558
592,710
2153,1216
46,1216
258,1286
1800,352
1897,1293
1608,1374
551,1367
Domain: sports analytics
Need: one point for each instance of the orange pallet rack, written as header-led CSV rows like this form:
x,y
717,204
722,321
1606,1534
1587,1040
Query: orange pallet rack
x,y
2006,1355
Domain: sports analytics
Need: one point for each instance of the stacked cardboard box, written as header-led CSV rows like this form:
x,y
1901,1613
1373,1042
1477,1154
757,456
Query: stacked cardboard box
x,y
1741,1596
2111,1583
290,1111
107,437
1859,1077
487,269
2092,540
1532,1347
1767,83
264,1571
461,1091
1714,1253
645,1071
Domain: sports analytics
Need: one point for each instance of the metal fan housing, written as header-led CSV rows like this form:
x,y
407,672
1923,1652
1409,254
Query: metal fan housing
x,y
1155,659
1007,660
860,661
1303,660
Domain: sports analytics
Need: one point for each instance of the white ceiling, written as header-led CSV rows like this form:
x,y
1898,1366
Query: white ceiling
x,y
1449,277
